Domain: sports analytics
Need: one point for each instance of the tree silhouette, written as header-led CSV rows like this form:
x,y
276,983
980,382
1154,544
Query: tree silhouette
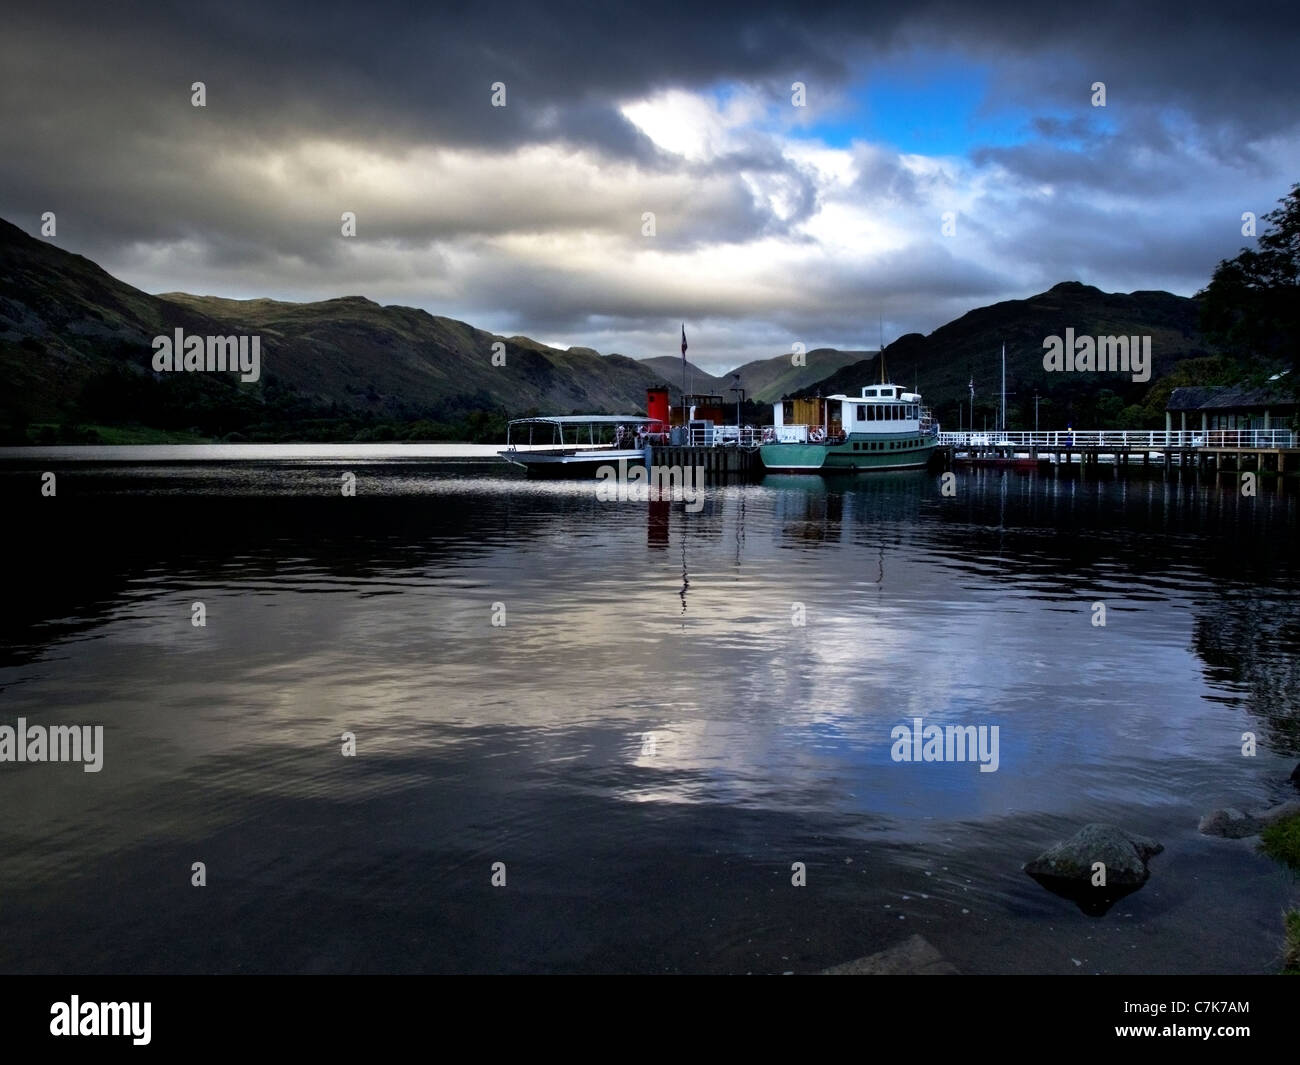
x,y
1251,306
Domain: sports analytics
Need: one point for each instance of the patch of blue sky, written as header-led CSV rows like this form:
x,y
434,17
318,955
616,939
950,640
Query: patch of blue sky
x,y
936,106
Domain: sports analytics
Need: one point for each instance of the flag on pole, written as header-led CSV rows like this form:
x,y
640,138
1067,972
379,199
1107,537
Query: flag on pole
x,y
683,365
971,386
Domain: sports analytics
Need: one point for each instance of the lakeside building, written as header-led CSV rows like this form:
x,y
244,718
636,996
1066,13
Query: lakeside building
x,y
1272,405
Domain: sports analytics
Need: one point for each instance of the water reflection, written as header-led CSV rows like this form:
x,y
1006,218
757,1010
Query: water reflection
x,y
374,615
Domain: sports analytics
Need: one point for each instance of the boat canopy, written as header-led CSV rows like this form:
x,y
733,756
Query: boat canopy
x,y
580,419
609,425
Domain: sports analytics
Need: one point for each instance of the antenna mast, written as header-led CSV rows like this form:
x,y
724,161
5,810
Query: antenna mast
x,y
882,349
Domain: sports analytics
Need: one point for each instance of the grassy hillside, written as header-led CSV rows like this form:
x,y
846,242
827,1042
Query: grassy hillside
x,y
943,362
75,348
75,345
764,380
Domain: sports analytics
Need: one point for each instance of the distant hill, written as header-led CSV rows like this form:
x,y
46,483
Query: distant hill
x,y
942,363
767,380
764,380
75,346
75,349
352,351
669,368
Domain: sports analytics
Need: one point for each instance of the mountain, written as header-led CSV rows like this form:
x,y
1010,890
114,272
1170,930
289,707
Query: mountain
x,y
76,345
767,380
764,380
354,352
943,363
669,368
76,350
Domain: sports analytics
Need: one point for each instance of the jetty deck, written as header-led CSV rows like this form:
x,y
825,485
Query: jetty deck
x,y
1274,450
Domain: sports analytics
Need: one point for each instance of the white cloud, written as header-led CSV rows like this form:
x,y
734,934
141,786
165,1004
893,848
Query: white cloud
x,y
764,234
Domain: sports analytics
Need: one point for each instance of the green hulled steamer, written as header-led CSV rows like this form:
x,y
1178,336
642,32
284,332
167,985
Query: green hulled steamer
x,y
885,428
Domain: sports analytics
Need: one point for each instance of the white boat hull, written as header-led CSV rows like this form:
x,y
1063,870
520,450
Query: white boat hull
x,y
562,461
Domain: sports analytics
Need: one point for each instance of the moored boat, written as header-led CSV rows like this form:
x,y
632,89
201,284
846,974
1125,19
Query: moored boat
x,y
885,428
593,440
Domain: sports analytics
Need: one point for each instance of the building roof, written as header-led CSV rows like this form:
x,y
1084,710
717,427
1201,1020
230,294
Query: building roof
x,y
1233,397
1190,398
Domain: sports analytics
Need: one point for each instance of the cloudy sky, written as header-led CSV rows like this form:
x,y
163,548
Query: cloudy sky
x,y
774,223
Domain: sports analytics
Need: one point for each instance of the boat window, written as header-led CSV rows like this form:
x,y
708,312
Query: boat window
x,y
862,412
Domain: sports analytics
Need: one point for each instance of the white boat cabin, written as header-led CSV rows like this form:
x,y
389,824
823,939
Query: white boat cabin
x,y
880,409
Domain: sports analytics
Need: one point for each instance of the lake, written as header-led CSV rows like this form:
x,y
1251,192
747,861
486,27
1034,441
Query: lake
x,y
646,714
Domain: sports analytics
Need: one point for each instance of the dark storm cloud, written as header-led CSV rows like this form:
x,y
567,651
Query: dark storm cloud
x,y
95,121
402,72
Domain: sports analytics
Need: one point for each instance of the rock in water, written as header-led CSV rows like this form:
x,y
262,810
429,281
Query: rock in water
x,y
1229,823
913,957
1067,868
1233,824
1124,854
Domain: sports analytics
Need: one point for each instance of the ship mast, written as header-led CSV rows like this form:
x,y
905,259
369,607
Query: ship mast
x,y
1004,388
882,349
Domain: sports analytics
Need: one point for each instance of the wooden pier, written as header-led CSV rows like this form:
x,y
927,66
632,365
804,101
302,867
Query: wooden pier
x,y
718,462
1262,450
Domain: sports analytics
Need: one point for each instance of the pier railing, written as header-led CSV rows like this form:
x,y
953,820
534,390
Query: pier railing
x,y
1125,439
726,436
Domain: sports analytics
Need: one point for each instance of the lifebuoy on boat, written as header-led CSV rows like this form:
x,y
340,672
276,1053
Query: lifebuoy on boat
x,y
817,434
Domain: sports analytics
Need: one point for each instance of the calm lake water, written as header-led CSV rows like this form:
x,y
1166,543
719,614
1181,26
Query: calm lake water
x,y
648,743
